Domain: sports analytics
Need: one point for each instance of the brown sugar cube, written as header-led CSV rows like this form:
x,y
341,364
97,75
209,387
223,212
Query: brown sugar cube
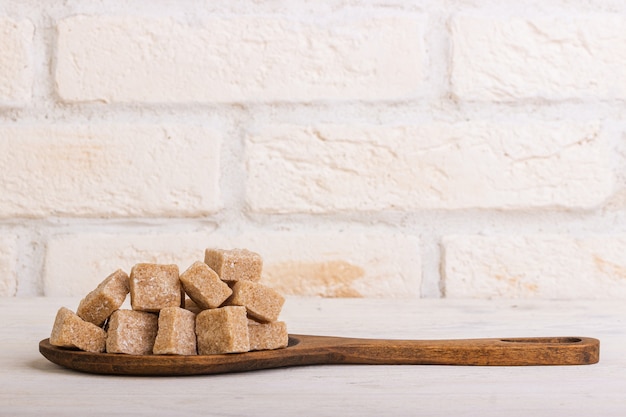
x,y
263,303
267,335
222,330
192,306
204,286
153,287
177,332
234,264
71,331
108,296
132,332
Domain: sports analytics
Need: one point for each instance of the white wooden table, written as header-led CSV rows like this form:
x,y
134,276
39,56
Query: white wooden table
x,y
30,385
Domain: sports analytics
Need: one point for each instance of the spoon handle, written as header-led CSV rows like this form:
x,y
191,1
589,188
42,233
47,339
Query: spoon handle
x,y
482,352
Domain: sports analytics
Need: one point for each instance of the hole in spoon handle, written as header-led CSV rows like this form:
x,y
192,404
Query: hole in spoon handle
x,y
543,340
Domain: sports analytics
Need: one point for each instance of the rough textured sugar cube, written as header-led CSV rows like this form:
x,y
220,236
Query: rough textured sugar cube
x,y
267,335
132,332
222,330
234,264
153,287
262,303
177,332
204,286
71,331
108,296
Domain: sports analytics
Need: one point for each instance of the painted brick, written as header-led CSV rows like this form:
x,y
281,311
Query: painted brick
x,y
554,58
335,264
76,264
134,59
108,170
436,166
534,266
346,264
16,67
8,273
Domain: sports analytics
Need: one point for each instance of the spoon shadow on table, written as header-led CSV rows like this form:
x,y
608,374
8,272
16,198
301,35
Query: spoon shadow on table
x,y
41,364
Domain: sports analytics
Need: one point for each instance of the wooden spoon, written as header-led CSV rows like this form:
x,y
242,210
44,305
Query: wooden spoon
x,y
322,350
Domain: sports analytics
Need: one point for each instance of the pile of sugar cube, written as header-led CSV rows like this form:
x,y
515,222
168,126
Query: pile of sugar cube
x,y
216,306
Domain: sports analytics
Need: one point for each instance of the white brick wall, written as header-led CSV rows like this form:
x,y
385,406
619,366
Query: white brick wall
x,y
434,166
76,263
8,264
553,58
544,266
366,149
133,59
16,68
337,263
311,263
109,170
